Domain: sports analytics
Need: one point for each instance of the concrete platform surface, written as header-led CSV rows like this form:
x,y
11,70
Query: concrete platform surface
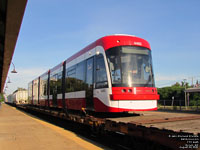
x,y
20,131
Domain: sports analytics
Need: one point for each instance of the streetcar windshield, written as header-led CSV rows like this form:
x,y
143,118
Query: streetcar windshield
x,y
130,66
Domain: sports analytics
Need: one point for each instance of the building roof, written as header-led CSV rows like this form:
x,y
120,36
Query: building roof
x,y
195,89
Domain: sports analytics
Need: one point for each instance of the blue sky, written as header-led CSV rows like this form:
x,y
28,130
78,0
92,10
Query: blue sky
x,y
52,31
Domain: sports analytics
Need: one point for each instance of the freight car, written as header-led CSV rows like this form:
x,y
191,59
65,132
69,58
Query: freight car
x,y
113,74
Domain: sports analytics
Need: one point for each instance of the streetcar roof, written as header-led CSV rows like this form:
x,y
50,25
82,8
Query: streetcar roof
x,y
112,41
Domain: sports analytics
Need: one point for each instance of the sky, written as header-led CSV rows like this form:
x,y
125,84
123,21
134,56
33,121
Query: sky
x,y
52,31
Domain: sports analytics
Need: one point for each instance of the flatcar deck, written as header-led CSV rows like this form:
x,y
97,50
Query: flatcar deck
x,y
179,122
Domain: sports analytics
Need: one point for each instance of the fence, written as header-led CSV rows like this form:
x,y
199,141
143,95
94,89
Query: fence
x,y
177,105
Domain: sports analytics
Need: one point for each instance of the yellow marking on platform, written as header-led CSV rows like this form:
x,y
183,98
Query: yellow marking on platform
x,y
70,135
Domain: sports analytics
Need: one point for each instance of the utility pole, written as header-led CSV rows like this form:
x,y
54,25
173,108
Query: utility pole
x,y
192,82
192,78
184,80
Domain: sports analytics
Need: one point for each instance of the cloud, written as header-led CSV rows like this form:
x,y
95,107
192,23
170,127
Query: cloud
x,y
160,77
168,80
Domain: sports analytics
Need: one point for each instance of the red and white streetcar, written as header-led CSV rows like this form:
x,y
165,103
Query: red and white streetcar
x,y
113,74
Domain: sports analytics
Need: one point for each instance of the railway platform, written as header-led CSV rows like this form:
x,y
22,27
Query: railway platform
x,y
21,131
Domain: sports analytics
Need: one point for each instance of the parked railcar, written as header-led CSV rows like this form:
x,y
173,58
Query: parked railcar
x,y
10,99
20,96
113,74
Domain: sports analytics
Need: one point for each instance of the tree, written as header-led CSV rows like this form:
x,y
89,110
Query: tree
x,y
1,97
177,91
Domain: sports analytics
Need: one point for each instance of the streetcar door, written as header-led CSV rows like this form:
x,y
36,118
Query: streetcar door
x,y
54,94
89,84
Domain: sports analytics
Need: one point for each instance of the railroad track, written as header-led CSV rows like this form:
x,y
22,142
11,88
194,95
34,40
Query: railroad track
x,y
147,130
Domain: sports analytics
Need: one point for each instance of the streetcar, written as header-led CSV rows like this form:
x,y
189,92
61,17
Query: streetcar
x,y
113,74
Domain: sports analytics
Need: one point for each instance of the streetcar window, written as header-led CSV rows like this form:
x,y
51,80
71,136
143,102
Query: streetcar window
x,y
71,71
53,85
30,91
59,83
43,86
89,70
101,76
130,66
71,79
114,65
80,76
75,77
35,89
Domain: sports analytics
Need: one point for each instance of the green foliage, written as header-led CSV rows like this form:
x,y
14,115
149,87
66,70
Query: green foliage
x,y
1,97
177,91
195,99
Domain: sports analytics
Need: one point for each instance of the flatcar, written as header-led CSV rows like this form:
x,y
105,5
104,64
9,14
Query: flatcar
x,y
113,74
